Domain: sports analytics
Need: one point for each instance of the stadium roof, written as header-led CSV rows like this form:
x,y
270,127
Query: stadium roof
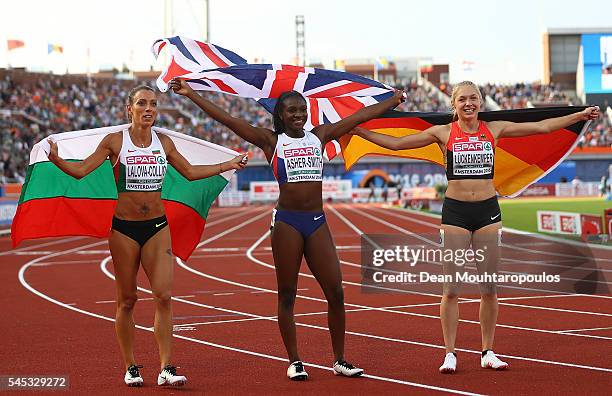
x,y
553,31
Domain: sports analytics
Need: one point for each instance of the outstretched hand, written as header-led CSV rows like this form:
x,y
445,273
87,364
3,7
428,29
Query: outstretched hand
x,y
180,86
239,162
399,96
590,113
53,153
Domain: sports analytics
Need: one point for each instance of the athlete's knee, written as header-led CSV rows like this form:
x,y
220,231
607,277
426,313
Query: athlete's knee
x,y
450,292
162,297
286,297
335,296
488,291
127,302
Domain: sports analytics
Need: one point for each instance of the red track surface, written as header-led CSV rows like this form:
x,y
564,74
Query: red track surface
x,y
228,341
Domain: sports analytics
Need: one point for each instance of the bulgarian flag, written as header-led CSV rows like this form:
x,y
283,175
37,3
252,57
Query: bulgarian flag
x,y
519,162
53,203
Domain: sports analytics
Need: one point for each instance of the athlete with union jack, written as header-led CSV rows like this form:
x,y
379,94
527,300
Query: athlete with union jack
x,y
298,222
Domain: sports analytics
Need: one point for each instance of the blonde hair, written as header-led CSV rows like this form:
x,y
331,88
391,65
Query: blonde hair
x,y
455,92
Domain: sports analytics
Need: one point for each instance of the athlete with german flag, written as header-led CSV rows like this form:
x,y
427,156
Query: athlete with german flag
x,y
470,212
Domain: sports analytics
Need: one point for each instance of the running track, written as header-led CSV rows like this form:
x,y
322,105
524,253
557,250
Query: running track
x,y
59,302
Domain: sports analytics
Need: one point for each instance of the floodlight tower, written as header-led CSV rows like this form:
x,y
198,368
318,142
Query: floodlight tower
x,y
300,41
207,19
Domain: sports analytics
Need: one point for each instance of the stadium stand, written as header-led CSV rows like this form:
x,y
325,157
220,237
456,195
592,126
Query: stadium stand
x,y
34,105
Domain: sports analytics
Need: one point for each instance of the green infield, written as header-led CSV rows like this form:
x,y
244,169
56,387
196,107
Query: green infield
x,y
520,213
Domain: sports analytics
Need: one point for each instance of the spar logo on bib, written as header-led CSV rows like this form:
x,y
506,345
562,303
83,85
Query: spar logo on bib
x,y
141,160
472,146
301,152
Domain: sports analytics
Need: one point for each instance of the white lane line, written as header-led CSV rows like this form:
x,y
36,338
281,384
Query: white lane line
x,y
110,275
591,329
518,232
404,231
513,231
545,263
22,280
503,299
557,309
354,228
233,216
218,321
106,251
303,314
33,253
230,230
106,301
359,233
183,265
222,249
409,218
412,234
264,264
269,249
501,303
139,299
67,262
265,235
39,245
536,297
223,294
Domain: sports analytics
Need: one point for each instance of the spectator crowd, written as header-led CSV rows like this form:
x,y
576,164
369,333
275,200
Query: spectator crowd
x,y
520,96
32,106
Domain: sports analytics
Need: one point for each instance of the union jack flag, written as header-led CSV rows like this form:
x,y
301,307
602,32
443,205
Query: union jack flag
x,y
330,95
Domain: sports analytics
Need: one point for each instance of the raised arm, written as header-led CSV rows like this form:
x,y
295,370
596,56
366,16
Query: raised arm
x,y
85,167
504,129
196,172
327,132
260,137
417,140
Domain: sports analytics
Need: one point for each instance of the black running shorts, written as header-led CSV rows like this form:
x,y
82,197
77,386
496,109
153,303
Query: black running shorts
x,y
469,215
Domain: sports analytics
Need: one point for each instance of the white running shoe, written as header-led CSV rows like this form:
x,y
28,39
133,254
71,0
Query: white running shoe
x,y
168,377
342,367
489,360
450,364
132,376
296,371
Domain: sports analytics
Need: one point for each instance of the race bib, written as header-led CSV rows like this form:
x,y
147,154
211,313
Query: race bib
x,y
303,163
144,172
472,158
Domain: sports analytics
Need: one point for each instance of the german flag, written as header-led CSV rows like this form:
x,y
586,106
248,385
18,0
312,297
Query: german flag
x,y
519,161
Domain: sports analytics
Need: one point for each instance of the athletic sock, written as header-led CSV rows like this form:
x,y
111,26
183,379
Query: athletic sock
x,y
485,352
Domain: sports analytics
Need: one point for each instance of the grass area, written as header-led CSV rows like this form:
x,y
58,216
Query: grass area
x,y
520,213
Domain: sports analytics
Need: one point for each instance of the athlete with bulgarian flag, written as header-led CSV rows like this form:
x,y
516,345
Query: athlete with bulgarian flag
x,y
140,232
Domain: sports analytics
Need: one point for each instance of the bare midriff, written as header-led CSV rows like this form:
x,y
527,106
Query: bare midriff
x,y
139,205
301,197
470,190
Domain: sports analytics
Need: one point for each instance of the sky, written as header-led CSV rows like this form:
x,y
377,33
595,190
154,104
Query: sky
x,y
503,39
